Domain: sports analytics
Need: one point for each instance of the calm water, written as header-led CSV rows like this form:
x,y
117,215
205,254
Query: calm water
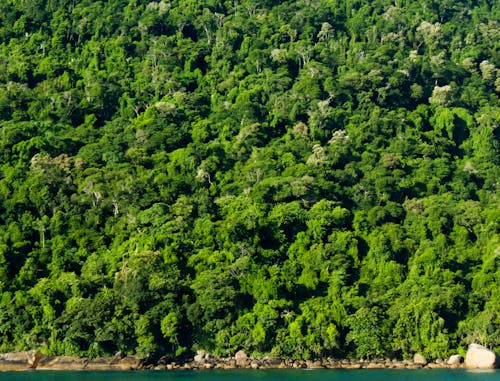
x,y
258,375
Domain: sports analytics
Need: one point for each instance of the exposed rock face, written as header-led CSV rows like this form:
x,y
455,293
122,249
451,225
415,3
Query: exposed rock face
x,y
419,359
99,363
19,360
35,360
63,363
127,363
479,357
455,360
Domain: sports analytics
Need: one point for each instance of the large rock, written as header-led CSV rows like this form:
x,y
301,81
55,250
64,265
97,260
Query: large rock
x,y
479,357
199,357
19,360
455,360
240,355
241,359
128,363
419,359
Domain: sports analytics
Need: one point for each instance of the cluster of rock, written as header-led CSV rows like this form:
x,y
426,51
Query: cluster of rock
x,y
477,357
204,360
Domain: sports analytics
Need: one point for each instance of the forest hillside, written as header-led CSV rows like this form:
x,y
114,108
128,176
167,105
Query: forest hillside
x,y
294,178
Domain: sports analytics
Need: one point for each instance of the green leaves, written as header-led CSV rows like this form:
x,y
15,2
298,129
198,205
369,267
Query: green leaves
x,y
298,179
368,331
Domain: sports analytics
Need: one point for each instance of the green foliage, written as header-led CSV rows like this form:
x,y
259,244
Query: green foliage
x,y
368,332
301,179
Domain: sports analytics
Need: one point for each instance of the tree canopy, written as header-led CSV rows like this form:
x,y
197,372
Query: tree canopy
x,y
293,178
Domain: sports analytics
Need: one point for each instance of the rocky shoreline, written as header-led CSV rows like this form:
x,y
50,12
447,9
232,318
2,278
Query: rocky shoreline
x,y
35,360
328,363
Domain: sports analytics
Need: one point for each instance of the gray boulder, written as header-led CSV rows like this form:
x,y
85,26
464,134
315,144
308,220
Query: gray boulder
x,y
479,357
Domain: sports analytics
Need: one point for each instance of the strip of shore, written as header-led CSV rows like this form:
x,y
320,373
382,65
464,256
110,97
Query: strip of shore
x,y
34,360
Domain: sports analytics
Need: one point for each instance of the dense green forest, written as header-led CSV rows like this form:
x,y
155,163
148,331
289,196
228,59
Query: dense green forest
x,y
293,178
